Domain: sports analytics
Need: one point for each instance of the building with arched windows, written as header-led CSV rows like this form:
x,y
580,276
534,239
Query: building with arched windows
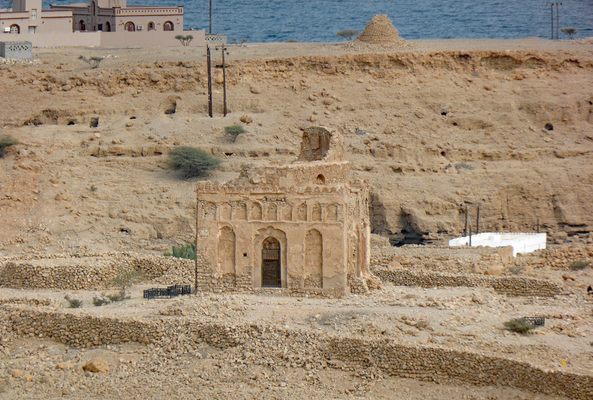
x,y
117,16
303,226
28,17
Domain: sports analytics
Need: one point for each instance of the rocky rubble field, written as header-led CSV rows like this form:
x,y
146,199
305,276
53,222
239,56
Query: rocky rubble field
x,y
243,365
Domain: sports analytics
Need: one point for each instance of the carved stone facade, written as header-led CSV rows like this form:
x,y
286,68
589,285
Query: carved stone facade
x,y
302,226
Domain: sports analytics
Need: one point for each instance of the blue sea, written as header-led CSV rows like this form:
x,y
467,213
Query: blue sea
x,y
319,20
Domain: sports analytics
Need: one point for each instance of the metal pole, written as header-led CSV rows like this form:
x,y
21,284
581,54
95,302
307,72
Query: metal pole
x,y
557,19
196,255
466,222
552,21
210,17
537,225
224,81
478,220
470,236
209,80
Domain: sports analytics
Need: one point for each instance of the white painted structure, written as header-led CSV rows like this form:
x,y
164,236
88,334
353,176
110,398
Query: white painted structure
x,y
521,242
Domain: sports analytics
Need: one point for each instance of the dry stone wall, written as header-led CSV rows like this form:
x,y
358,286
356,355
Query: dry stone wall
x,y
97,272
443,259
509,285
92,271
299,348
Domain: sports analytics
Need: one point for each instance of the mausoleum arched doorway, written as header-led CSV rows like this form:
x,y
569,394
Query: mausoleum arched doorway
x,y
271,263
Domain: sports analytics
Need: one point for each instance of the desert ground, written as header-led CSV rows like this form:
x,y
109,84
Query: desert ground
x,y
432,125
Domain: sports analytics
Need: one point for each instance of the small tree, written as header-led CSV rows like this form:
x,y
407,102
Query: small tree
x,y
570,31
347,34
124,280
185,40
93,62
192,162
6,142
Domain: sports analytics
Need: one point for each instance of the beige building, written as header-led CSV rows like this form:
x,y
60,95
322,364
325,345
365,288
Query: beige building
x,y
116,16
28,17
302,226
107,23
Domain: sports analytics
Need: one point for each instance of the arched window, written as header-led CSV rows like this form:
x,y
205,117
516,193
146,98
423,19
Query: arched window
x,y
320,179
81,26
14,28
151,26
129,26
168,26
271,264
107,27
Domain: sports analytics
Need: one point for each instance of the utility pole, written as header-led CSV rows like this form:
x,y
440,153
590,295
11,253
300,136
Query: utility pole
x,y
551,21
223,48
196,249
558,19
553,5
210,17
466,221
209,62
478,220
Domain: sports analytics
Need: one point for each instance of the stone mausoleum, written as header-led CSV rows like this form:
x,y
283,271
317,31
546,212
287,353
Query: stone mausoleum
x,y
303,226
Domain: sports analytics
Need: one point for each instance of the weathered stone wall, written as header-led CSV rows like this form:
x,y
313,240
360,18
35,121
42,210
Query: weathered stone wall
x,y
299,348
509,285
91,271
557,257
444,259
96,272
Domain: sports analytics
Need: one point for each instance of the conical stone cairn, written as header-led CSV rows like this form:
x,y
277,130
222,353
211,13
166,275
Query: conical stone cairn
x,y
380,31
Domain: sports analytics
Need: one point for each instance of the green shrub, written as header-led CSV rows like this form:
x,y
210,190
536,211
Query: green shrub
x,y
73,303
233,131
6,142
187,251
192,162
100,301
579,265
518,325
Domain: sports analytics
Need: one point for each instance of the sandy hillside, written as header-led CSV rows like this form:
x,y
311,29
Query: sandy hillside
x,y
431,124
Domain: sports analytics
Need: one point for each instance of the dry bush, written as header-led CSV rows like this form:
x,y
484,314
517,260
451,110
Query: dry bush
x,y
233,131
100,301
579,265
518,325
570,31
73,303
6,142
347,34
93,62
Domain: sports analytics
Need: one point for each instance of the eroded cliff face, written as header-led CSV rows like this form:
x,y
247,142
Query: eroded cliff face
x,y
431,131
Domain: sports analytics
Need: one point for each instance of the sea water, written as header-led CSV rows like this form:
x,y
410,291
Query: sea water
x,y
320,20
